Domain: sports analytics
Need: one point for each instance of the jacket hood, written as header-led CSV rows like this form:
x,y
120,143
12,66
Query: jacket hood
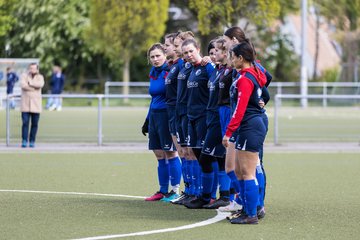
x,y
257,73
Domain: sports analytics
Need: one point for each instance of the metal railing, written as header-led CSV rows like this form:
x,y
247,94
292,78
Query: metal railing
x,y
99,98
277,104
278,86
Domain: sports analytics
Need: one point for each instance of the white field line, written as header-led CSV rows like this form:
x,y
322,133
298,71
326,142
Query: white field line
x,y
72,193
219,216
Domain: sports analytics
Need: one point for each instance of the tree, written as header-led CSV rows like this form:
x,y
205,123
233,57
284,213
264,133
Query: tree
x,y
52,31
7,20
345,16
122,29
214,15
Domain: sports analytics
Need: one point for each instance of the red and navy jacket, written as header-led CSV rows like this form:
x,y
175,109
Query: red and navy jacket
x,y
182,96
171,82
249,86
157,88
198,92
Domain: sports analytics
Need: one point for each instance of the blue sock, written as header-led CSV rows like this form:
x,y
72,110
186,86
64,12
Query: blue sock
x,y
184,168
191,177
251,196
163,175
234,181
261,182
241,195
215,167
207,183
175,171
197,177
224,182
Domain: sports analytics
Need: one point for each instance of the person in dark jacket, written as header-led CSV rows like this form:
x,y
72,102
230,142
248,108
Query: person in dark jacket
x,y
11,79
57,86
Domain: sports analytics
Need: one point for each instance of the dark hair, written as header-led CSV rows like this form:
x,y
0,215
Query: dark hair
x,y
156,46
245,50
211,45
221,41
235,32
34,63
190,41
171,36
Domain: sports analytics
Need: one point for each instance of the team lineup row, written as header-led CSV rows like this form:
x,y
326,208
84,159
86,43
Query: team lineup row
x,y
207,123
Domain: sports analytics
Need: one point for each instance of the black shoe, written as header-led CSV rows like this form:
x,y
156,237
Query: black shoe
x,y
221,202
180,199
236,214
261,212
188,199
196,203
245,219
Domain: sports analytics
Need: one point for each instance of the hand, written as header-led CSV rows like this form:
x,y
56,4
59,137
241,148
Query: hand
x,y
225,141
205,60
145,127
261,103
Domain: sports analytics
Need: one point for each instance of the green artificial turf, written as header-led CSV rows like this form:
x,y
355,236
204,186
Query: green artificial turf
x,y
309,196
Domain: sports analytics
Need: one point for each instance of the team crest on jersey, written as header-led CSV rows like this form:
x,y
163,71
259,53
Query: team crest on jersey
x,y
167,81
173,69
187,65
259,92
211,86
198,72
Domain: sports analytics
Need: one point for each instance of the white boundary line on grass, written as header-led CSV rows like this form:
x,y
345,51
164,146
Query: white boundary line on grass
x,y
219,216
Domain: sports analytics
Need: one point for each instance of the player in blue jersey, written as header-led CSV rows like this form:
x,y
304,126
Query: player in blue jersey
x,y
157,124
198,97
171,85
248,121
189,162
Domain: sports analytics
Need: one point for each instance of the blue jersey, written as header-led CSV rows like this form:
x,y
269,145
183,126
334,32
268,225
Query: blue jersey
x,y
198,92
233,90
225,81
171,82
157,88
11,79
57,83
213,86
182,96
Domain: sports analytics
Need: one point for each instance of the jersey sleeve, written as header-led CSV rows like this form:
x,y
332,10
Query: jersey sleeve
x,y
210,67
245,88
265,95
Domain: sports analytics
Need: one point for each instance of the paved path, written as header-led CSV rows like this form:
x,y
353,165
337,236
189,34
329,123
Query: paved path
x,y
142,147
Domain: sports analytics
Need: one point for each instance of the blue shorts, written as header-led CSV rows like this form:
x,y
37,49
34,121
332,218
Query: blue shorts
x,y
196,132
251,135
159,134
172,119
213,139
225,115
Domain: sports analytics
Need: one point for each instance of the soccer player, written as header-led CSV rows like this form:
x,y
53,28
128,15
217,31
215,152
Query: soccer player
x,y
198,96
235,35
248,120
189,162
175,165
156,123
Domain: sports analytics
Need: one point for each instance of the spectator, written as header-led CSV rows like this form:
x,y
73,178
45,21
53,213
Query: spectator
x,y
57,86
31,84
11,79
